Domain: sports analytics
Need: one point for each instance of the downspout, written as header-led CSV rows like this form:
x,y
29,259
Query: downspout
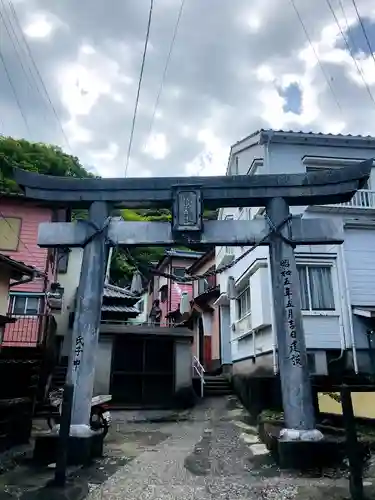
x,y
347,295
108,270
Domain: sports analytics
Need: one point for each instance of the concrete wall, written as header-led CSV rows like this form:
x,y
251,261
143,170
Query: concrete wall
x,y
69,281
103,364
183,365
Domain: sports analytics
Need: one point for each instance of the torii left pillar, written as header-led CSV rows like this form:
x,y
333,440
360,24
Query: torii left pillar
x,y
87,322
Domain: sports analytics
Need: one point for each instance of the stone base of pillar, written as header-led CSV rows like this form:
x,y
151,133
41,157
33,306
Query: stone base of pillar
x,y
82,449
309,455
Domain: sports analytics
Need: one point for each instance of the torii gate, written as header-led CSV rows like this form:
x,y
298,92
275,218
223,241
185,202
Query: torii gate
x,y
187,196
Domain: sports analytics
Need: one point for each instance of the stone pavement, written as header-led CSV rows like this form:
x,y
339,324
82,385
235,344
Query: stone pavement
x,y
214,454
210,452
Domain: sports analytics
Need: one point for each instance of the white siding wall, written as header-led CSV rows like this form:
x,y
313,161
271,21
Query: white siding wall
x,y
360,261
329,330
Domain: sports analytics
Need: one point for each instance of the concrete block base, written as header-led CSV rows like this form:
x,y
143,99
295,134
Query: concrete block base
x,y
304,455
81,450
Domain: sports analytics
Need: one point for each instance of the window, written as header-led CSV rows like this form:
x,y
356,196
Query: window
x,y
10,228
179,272
229,217
62,259
316,288
22,304
243,303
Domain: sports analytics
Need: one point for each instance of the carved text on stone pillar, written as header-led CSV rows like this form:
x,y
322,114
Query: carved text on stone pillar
x,y
294,351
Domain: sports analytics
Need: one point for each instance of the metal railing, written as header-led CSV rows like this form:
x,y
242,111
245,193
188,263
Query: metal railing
x,y
364,198
25,330
243,325
225,255
199,370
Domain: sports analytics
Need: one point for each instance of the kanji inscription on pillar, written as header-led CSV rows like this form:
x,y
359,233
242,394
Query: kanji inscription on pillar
x,y
78,352
294,351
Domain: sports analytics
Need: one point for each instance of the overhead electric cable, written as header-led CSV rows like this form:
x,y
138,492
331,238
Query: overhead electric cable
x,y
139,86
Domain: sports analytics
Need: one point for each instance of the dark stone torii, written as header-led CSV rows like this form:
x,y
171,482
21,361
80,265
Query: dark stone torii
x,y
187,196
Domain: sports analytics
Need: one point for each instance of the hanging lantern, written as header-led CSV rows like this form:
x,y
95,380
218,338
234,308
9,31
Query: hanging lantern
x,y
231,289
185,303
136,286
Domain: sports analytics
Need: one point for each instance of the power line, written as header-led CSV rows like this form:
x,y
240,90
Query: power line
x,y
9,78
139,85
316,55
363,30
171,46
30,54
359,70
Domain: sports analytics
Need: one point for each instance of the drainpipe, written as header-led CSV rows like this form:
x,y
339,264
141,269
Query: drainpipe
x,y
347,295
108,270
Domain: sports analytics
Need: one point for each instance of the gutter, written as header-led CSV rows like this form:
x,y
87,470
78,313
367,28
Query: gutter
x,y
24,281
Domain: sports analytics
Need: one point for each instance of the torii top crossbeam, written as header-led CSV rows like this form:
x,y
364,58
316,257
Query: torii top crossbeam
x,y
313,188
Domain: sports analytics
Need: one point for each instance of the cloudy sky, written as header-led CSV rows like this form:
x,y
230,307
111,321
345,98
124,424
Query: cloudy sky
x,y
236,66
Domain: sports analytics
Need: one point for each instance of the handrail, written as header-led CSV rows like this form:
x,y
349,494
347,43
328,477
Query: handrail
x,y
197,366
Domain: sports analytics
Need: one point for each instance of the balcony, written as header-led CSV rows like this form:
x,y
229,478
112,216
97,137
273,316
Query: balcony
x,y
225,256
363,200
242,326
27,330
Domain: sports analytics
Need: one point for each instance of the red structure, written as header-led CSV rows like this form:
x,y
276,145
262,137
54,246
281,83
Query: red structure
x,y
19,222
167,291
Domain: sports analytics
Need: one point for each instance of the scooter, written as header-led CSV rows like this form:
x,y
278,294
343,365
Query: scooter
x,y
100,418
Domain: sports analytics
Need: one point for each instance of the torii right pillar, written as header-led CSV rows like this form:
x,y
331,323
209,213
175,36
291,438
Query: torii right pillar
x,y
299,418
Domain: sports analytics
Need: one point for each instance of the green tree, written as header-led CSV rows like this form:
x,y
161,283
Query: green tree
x,y
36,157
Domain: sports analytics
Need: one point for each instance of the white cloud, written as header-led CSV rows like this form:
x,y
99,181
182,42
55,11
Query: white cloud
x,y
39,27
223,82
157,146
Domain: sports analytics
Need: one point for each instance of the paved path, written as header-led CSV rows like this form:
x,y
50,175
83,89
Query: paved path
x,y
212,455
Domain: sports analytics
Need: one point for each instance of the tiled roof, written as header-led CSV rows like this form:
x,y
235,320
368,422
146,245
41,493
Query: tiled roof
x,y
115,292
125,309
308,133
183,253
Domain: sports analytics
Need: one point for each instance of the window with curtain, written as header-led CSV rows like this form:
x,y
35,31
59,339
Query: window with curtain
x,y
316,288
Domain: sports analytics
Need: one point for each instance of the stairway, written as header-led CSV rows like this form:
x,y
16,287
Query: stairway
x,y
59,374
216,385
58,380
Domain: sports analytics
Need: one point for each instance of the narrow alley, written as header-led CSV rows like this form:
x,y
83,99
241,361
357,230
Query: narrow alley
x,y
211,453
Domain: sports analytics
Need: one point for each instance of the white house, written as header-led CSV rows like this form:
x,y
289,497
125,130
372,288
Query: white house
x,y
337,281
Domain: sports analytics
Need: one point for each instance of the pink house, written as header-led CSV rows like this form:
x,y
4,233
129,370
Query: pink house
x,y
204,315
167,291
19,221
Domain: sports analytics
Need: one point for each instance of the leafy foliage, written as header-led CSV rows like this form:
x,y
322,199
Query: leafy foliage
x,y
35,157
